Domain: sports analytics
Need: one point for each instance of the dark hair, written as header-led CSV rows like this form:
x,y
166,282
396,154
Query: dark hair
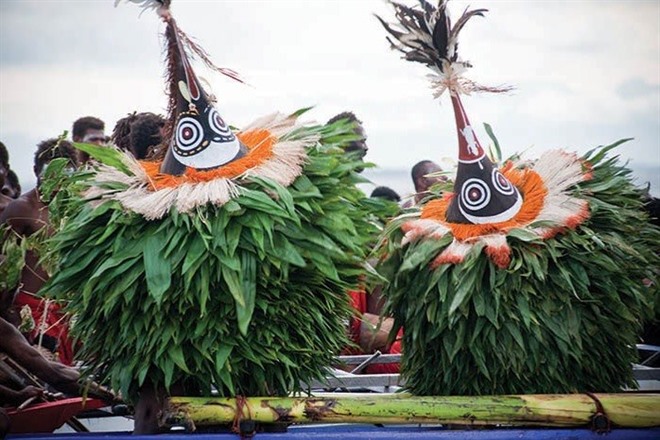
x,y
419,169
53,148
652,207
385,192
350,116
122,131
4,156
81,125
138,133
146,133
12,179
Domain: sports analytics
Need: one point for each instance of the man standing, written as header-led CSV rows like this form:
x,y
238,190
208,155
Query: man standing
x,y
26,216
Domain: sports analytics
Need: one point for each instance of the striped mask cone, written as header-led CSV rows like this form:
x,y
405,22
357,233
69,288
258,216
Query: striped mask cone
x,y
200,137
482,193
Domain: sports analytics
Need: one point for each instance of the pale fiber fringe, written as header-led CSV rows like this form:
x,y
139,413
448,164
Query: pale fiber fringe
x,y
427,227
289,156
559,171
110,175
451,78
453,254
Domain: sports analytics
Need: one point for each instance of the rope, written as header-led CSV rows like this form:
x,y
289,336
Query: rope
x,y
600,422
243,427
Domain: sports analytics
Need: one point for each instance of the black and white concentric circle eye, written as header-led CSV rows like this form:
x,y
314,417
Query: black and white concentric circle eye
x,y
217,124
502,184
475,194
189,134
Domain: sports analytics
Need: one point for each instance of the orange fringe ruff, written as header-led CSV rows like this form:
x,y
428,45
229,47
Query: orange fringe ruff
x,y
260,148
499,255
571,223
446,258
532,189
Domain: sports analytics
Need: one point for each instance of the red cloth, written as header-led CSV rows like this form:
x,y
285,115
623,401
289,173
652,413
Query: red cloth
x,y
359,303
395,348
56,324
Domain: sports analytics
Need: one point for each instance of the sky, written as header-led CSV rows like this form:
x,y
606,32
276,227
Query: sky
x,y
586,73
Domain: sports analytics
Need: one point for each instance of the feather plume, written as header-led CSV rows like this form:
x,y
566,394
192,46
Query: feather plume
x,y
160,6
424,34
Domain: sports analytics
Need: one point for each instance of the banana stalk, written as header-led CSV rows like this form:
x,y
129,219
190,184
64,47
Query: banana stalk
x,y
630,410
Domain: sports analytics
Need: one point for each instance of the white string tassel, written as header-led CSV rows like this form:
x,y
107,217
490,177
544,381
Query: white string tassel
x,y
451,79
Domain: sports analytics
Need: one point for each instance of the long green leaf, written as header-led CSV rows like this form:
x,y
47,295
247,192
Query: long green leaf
x,y
157,269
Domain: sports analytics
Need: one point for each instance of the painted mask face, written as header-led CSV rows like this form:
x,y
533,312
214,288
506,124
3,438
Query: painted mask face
x,y
203,139
486,196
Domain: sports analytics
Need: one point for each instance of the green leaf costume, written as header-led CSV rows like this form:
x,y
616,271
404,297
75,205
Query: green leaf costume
x,y
226,263
545,295
562,317
248,297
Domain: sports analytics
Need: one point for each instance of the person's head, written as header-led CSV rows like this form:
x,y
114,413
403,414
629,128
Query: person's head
x,y
5,197
88,130
4,156
359,145
146,133
11,188
51,149
139,133
385,192
420,175
652,207
122,131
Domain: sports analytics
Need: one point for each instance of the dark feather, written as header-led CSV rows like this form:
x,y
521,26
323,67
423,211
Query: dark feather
x,y
424,33
396,34
441,32
416,55
464,19
201,53
427,7
170,77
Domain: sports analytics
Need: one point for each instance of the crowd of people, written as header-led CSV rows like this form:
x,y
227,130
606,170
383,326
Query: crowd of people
x,y
35,330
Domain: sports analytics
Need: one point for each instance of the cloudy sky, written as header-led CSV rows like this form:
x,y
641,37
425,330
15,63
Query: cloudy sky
x,y
586,72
